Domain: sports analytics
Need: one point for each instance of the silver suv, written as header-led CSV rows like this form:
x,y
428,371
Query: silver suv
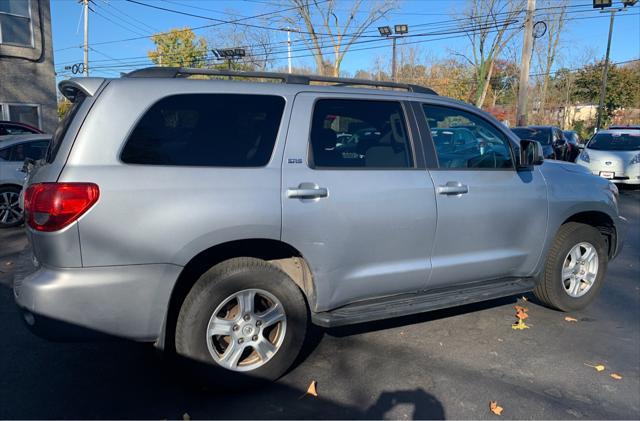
x,y
219,219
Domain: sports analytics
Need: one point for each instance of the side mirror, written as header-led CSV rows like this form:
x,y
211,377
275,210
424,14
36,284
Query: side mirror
x,y
530,154
581,146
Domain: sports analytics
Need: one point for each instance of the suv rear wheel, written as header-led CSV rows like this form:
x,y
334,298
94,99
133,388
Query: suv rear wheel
x,y
242,322
575,268
10,213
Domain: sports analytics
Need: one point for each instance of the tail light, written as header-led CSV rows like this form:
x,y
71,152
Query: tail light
x,y
53,206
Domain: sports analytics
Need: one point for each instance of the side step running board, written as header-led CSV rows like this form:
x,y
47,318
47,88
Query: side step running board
x,y
385,308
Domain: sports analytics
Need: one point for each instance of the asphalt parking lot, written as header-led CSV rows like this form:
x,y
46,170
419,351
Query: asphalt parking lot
x,y
445,364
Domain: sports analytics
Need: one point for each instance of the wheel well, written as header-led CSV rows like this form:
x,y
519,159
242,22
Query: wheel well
x,y
602,222
17,186
286,257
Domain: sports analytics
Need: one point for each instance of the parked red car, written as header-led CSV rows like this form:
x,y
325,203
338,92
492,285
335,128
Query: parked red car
x,y
13,127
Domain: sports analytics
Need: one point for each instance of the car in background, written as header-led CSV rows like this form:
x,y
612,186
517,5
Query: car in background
x,y
614,154
15,128
14,149
554,145
623,127
574,143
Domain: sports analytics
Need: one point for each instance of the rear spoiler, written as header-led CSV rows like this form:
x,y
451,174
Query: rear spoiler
x,y
87,85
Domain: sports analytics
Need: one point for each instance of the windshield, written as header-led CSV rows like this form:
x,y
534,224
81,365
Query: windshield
x,y
540,135
615,142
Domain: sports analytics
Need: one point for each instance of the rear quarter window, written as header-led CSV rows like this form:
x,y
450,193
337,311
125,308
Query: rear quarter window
x,y
63,127
216,130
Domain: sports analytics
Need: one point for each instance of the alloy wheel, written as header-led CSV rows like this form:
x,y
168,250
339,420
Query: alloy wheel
x,y
246,330
580,269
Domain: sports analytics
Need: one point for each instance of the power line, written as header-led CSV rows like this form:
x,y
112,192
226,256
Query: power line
x,y
111,5
189,29
380,41
376,39
431,24
113,21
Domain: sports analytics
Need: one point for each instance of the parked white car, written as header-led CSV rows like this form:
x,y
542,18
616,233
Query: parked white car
x,y
14,150
613,154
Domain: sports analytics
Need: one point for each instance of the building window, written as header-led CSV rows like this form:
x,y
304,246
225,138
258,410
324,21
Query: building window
x,y
21,113
15,23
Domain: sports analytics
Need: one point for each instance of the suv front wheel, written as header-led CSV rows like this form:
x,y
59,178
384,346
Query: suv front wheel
x,y
575,268
242,322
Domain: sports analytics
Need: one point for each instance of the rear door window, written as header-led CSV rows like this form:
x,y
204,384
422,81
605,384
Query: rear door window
x,y
361,134
216,130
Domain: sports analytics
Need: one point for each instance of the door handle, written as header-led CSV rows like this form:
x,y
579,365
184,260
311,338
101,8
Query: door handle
x,y
453,188
307,191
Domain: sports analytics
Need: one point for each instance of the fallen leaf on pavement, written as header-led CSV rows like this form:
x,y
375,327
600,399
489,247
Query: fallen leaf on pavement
x,y
598,367
571,319
311,390
186,417
521,313
616,376
520,325
493,406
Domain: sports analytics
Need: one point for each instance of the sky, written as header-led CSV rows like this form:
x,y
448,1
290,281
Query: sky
x,y
113,24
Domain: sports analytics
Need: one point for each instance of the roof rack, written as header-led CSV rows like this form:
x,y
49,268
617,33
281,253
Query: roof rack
x,y
174,72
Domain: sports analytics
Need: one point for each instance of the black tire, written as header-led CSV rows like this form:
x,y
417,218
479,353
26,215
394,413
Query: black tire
x,y
550,289
9,190
211,290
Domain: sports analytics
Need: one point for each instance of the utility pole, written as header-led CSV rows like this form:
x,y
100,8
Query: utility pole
x,y
86,37
523,86
605,72
289,48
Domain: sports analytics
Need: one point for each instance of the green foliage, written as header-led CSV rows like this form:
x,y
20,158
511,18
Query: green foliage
x,y
178,48
64,105
623,84
584,131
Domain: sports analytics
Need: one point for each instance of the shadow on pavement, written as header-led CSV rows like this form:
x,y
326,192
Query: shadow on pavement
x,y
113,378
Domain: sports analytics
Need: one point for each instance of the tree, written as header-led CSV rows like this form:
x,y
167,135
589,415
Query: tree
x,y
489,27
623,85
555,24
325,27
259,43
178,48
505,81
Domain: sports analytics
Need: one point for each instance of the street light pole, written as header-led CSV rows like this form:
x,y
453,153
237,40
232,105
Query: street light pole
x,y
602,4
386,31
393,60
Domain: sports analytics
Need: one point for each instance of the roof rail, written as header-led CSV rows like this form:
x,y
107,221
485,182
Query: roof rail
x,y
174,72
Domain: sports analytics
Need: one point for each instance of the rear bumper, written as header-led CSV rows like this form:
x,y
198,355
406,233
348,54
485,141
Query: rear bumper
x,y
75,303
